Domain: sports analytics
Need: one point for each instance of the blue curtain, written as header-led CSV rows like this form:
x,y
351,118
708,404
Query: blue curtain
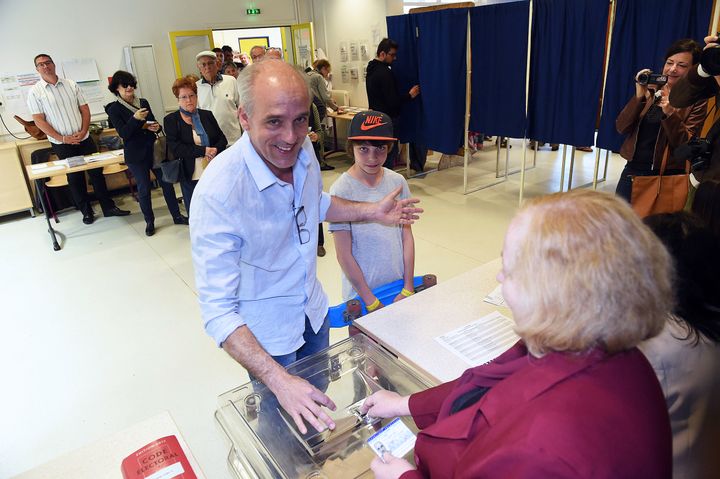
x,y
433,58
441,47
643,31
401,28
499,65
568,42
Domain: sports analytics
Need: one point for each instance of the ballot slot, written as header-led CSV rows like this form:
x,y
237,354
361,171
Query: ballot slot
x,y
265,441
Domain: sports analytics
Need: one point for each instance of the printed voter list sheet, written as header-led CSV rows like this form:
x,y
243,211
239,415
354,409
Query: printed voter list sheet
x,y
481,341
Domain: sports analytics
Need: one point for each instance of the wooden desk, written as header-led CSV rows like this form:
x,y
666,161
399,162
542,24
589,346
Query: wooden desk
x,y
38,174
29,146
14,194
408,328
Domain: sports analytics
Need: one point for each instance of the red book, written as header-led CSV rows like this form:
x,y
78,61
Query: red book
x,y
161,459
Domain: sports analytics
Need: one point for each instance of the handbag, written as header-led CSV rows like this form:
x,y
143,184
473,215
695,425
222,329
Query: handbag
x,y
31,128
171,171
653,195
159,150
171,167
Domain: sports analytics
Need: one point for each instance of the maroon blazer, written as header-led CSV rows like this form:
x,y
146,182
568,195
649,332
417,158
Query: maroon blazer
x,y
563,415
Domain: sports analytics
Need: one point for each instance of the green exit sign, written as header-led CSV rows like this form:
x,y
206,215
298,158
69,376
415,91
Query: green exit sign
x,y
253,11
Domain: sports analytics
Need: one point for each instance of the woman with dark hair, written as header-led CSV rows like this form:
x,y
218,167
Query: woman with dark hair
x,y
653,127
193,136
706,205
686,355
134,121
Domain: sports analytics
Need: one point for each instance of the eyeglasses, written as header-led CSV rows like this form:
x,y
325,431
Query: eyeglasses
x,y
128,85
187,97
44,64
207,64
300,221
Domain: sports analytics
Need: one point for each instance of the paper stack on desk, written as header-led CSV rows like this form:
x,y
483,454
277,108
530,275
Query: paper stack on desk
x,y
74,161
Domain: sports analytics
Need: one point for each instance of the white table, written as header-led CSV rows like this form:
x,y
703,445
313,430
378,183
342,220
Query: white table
x,y
408,328
102,459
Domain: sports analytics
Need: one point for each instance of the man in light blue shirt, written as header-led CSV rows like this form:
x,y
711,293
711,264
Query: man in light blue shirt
x,y
253,227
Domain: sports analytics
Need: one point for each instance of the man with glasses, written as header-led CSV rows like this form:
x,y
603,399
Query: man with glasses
x,y
253,228
60,110
257,53
383,95
218,93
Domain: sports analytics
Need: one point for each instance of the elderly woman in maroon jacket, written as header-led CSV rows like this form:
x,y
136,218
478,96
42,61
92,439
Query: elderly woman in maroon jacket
x,y
586,282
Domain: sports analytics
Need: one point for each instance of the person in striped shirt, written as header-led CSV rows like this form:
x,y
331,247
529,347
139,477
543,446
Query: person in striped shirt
x,y
59,109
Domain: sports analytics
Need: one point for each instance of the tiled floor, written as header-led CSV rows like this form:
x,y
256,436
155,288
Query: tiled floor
x,y
106,332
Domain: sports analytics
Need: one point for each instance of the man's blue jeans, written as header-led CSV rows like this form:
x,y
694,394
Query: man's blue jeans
x,y
314,342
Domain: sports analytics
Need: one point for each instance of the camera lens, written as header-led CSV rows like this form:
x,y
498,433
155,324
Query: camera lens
x,y
710,60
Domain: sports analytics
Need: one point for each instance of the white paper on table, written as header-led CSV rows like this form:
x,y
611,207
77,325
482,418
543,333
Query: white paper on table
x,y
47,168
481,341
102,156
39,166
495,297
61,162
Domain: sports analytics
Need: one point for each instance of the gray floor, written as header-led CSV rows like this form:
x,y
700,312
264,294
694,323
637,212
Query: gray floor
x,y
106,332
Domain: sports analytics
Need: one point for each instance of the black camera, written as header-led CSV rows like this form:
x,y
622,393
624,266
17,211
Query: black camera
x,y
710,60
698,151
652,79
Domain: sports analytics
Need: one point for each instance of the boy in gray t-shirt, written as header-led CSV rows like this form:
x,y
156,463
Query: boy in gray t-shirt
x,y
371,254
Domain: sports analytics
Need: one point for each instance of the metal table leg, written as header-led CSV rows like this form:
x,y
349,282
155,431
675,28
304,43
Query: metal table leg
x,y
56,245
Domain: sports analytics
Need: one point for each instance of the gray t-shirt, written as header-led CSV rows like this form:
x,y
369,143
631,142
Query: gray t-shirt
x,y
377,248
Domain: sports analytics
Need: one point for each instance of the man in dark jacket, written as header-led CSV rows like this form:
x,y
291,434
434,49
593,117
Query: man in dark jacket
x,y
383,95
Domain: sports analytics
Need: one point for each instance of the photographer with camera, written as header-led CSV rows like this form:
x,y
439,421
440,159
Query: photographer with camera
x,y
701,82
652,125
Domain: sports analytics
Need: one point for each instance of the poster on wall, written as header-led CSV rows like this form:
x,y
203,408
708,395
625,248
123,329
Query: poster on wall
x,y
376,35
364,52
354,75
343,51
354,54
14,91
85,73
345,74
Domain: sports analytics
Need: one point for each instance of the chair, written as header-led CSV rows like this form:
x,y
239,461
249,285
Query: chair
x,y
121,168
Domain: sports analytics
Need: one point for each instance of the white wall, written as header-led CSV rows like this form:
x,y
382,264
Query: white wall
x,y
87,29
349,21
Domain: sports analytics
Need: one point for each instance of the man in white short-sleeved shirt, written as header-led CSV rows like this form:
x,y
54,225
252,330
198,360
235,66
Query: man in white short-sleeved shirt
x,y
218,93
60,110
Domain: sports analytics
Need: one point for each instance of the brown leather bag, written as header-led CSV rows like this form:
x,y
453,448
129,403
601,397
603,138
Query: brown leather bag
x,y
31,128
653,195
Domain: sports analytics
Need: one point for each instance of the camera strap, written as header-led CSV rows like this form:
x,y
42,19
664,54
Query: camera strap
x,y
714,131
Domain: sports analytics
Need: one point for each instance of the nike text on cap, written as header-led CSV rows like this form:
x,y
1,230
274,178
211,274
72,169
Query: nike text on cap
x,y
371,125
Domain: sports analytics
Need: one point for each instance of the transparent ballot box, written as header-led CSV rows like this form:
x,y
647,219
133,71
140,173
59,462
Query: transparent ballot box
x,y
265,443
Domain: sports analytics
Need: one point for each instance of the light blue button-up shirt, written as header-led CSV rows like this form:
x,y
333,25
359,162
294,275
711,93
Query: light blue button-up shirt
x,y
250,266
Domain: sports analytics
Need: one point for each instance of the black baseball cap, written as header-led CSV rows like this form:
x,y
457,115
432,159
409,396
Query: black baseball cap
x,y
371,125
